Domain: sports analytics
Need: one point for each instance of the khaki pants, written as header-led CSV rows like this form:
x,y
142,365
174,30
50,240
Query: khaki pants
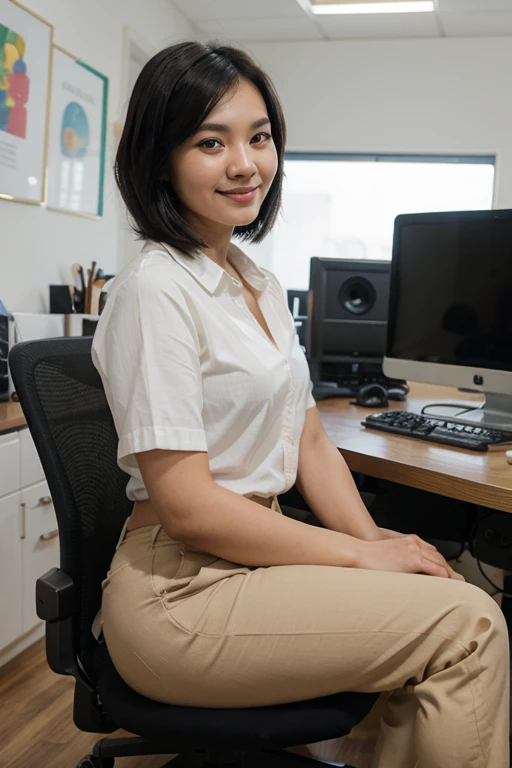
x,y
185,627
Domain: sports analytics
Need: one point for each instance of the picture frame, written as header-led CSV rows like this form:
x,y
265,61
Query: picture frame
x,y
25,71
75,171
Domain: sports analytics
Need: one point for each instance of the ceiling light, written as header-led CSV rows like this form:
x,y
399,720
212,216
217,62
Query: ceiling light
x,y
415,6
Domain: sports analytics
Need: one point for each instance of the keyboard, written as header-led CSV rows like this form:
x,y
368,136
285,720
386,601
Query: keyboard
x,y
438,430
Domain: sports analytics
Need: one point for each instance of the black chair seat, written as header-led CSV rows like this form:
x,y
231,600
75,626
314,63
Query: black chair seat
x,y
247,729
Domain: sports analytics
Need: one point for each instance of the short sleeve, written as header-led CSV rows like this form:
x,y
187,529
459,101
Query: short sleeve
x,y
146,349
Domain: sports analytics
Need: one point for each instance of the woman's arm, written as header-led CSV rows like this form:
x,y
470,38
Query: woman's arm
x,y
193,509
325,482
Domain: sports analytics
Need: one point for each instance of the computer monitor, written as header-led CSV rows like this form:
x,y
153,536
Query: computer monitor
x,y
450,308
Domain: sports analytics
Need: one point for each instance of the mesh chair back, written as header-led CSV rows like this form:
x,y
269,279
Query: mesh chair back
x,y
64,404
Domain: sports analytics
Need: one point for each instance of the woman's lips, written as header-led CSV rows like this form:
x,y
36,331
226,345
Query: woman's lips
x,y
240,197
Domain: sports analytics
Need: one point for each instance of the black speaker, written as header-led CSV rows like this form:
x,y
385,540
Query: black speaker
x,y
347,316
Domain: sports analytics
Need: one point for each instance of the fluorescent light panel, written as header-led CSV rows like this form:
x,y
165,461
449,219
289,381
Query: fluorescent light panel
x,y
415,6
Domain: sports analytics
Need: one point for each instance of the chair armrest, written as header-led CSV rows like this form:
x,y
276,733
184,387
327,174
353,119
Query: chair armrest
x,y
55,594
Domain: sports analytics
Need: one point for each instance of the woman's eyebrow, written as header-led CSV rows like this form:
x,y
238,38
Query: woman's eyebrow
x,y
225,128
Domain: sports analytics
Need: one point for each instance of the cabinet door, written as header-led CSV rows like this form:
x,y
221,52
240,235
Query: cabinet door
x,y
30,467
9,463
10,570
40,545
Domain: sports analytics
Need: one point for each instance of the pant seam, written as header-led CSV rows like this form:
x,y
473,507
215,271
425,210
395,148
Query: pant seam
x,y
313,633
474,710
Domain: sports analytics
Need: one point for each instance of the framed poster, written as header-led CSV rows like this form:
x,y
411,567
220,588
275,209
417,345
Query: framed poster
x,y
76,147
25,61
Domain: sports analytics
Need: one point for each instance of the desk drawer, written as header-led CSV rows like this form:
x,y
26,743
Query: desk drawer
x,y
40,545
9,463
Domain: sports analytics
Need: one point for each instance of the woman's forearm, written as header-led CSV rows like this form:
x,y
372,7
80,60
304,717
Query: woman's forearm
x,y
325,482
232,527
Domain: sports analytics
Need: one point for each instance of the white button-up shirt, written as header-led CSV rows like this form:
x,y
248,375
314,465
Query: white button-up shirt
x,y
187,367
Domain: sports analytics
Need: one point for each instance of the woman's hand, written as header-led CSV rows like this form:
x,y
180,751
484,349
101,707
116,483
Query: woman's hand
x,y
405,553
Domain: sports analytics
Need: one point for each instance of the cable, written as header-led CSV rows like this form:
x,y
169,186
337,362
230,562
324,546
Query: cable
x,y
450,405
499,590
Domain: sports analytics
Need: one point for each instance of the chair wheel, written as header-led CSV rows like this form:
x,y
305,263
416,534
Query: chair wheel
x,y
92,761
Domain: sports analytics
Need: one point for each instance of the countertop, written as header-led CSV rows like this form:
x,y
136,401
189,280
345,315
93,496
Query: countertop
x,y
11,417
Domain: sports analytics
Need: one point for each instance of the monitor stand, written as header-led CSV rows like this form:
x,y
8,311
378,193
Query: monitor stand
x,y
495,414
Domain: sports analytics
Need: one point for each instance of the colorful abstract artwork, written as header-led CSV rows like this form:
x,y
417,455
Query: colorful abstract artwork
x,y
14,83
25,61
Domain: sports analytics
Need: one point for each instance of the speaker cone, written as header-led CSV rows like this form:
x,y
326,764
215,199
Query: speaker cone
x,y
357,295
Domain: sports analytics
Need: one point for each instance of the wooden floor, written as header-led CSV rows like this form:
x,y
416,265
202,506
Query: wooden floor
x,y
36,725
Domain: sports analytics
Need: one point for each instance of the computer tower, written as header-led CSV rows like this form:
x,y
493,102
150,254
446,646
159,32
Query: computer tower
x,y
347,318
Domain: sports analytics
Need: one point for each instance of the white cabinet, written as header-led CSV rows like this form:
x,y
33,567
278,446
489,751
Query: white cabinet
x,y
29,543
40,548
31,470
10,480
10,570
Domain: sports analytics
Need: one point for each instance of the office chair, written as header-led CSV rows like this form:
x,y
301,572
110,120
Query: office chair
x,y
68,416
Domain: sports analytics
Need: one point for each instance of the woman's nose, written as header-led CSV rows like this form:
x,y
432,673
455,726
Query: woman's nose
x,y
241,164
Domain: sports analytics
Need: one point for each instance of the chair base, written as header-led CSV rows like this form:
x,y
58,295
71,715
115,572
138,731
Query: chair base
x,y
106,750
261,759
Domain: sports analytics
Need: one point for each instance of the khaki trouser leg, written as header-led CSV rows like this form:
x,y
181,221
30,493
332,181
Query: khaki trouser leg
x,y
187,628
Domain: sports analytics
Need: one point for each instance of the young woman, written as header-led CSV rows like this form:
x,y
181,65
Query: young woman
x,y
215,599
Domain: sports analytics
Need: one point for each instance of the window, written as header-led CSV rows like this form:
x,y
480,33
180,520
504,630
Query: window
x,y
344,206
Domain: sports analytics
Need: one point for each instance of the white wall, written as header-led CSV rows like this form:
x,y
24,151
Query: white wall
x,y
423,96
39,246
447,95
419,96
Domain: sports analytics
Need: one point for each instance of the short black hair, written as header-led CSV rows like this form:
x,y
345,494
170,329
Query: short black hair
x,y
173,95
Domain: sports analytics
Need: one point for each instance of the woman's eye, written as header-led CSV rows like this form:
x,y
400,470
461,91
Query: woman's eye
x,y
261,137
210,143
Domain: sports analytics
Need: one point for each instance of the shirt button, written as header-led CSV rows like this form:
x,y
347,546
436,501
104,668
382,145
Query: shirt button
x,y
288,439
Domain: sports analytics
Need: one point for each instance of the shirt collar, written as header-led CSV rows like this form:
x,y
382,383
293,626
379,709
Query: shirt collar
x,y
210,274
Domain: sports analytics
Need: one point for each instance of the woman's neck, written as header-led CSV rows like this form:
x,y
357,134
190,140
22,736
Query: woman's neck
x,y
217,238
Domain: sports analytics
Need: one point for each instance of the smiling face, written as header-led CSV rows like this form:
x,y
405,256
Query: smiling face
x,y
223,172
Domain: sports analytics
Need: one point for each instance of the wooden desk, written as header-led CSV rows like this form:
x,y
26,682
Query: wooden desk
x,y
11,417
482,478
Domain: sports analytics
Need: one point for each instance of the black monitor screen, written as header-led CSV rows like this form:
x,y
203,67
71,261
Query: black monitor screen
x,y
451,289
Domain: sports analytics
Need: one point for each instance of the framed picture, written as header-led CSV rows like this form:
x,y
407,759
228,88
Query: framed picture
x,y
25,61
76,146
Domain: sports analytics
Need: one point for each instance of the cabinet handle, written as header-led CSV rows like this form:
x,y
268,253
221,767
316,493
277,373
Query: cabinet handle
x,y
50,535
44,501
23,533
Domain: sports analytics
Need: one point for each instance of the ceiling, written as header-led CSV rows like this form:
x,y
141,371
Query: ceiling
x,y
292,20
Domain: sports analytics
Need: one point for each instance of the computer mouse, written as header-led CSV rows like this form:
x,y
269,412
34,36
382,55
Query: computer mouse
x,y
372,396
508,456
396,393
